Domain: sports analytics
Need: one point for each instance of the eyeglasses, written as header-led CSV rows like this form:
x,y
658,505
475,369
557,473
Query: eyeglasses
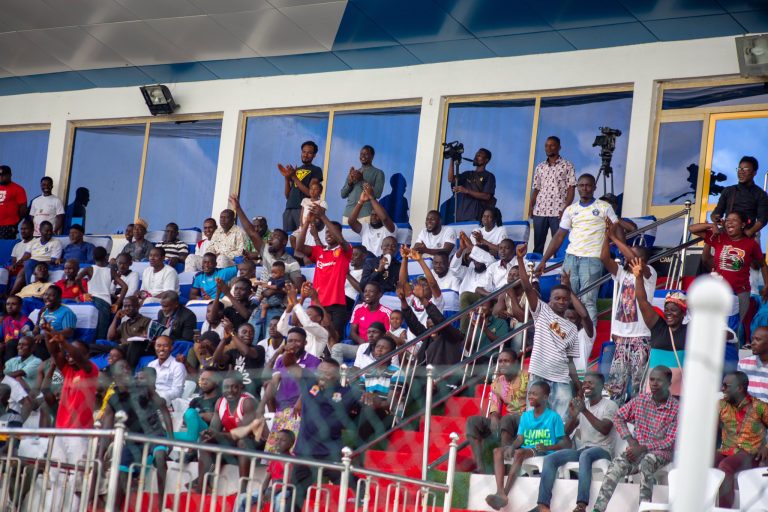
x,y
745,169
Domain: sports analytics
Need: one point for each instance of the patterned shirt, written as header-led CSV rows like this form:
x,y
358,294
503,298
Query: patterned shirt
x,y
655,424
511,393
586,226
174,249
229,244
552,182
757,371
743,426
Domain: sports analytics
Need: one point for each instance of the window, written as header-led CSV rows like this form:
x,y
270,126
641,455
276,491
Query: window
x,y
504,128
677,163
176,184
393,134
270,140
180,173
25,152
715,96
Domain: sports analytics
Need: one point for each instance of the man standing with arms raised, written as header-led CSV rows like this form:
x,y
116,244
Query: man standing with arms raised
x,y
297,184
554,182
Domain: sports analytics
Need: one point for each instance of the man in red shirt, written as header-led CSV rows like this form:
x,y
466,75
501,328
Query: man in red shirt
x,y
76,406
332,266
370,311
13,204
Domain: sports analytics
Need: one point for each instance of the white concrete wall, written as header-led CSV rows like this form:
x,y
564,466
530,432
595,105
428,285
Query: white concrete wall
x,y
639,65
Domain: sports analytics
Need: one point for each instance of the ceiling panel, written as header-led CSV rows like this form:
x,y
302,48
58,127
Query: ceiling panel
x,y
694,28
269,32
645,10
14,85
565,14
88,12
526,44
52,82
309,63
753,21
4,73
369,58
321,21
222,6
179,72
28,14
76,48
296,3
495,17
444,51
116,77
138,43
608,35
358,31
22,57
202,37
153,9
242,68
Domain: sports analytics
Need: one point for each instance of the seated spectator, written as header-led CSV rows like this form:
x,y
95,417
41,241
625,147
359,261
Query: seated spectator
x,y
47,207
73,288
228,241
130,277
366,352
45,249
490,233
54,318
23,367
170,373
354,275
507,389
283,390
273,299
272,343
435,238
379,386
593,417
315,191
147,414
741,448
48,384
446,277
157,278
14,406
425,289
139,247
651,445
18,251
128,234
199,414
309,319
236,408
101,280
485,328
179,322
239,296
36,289
756,365
201,357
322,396
365,314
176,251
385,269
204,283
378,228
262,228
242,355
442,348
471,273
14,326
540,432
129,326
396,329
194,262
214,314
246,269
274,476
496,275
78,249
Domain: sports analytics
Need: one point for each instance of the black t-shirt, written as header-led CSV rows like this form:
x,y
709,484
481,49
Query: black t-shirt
x,y
233,316
204,405
470,208
661,340
251,368
144,415
305,173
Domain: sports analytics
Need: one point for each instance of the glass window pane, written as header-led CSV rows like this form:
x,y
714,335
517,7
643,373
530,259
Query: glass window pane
x,y
106,162
25,152
677,163
393,134
504,128
180,173
576,120
717,96
735,138
270,140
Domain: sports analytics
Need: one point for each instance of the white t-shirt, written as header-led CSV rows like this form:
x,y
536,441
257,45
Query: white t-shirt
x,y
19,249
448,282
626,318
132,280
494,236
586,227
158,282
45,252
585,348
496,275
306,203
554,341
589,436
349,290
469,279
437,241
372,237
45,208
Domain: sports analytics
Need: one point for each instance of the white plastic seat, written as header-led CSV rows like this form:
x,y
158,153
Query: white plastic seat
x,y
753,490
714,479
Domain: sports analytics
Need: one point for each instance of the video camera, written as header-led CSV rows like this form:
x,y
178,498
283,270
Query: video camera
x,y
453,150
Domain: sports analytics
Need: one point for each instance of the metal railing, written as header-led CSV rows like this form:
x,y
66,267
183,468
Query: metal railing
x,y
46,484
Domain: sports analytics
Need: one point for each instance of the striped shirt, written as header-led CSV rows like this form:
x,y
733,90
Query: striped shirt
x,y
380,380
175,249
554,341
655,424
757,371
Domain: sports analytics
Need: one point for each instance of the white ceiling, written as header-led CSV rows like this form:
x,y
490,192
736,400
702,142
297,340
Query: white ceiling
x,y
49,36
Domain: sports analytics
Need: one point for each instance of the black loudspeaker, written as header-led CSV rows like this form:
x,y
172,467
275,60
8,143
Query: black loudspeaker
x,y
752,52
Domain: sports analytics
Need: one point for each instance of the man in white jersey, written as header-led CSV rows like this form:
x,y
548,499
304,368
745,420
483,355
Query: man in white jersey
x,y
435,238
584,223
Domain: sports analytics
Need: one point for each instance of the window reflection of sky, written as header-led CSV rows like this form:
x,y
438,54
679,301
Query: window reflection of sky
x,y
107,161
679,146
180,173
735,138
270,140
25,152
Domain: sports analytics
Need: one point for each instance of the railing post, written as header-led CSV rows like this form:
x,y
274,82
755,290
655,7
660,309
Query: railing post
x,y
449,477
114,469
344,371
346,459
427,423
684,251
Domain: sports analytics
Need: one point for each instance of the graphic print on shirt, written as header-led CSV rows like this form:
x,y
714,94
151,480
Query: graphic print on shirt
x,y
626,310
554,326
303,173
536,436
731,258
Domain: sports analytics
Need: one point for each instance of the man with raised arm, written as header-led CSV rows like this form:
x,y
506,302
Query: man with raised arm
x,y
353,187
380,225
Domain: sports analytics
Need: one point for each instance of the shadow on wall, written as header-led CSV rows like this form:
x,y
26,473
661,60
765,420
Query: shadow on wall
x,y
75,213
395,202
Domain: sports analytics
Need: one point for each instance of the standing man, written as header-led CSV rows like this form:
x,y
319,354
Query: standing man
x,y
13,204
47,207
745,197
584,223
474,189
554,182
228,241
353,187
297,185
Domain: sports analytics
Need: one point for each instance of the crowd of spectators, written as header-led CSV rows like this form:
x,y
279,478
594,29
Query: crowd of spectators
x,y
274,341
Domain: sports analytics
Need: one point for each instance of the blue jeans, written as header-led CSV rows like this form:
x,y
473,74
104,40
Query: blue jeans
x,y
540,227
560,395
585,458
584,271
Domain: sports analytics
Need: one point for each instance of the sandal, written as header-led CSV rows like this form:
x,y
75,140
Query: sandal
x,y
580,507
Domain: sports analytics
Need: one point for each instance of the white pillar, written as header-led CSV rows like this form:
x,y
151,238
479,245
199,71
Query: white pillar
x,y
227,169
637,173
425,184
56,159
710,300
